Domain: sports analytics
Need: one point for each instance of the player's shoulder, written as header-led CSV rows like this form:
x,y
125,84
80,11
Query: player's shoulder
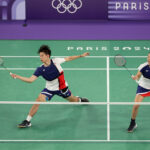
x,y
40,67
58,60
143,65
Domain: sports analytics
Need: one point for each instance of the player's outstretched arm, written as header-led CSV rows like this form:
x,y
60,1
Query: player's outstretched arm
x,y
137,76
29,80
75,57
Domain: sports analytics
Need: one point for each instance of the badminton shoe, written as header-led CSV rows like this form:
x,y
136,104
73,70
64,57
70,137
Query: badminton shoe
x,y
24,124
132,127
84,99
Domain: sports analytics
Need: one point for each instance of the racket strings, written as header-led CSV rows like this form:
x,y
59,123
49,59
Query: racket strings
x,y
119,60
2,65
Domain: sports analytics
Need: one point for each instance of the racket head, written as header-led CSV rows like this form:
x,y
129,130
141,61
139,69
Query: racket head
x,y
120,60
1,61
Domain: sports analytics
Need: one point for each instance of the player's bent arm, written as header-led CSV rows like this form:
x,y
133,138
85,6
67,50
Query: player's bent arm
x,y
75,57
137,76
28,80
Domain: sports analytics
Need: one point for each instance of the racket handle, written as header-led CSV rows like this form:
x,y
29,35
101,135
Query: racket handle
x,y
135,80
11,74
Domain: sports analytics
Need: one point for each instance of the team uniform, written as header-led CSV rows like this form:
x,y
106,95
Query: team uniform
x,y
55,84
55,81
143,88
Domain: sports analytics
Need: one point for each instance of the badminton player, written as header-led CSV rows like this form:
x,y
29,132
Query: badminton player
x,y
56,84
143,89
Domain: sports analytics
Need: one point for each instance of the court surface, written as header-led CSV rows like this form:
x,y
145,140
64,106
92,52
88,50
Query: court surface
x,y
71,126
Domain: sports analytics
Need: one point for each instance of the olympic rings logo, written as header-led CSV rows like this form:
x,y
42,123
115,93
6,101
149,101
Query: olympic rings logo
x,y
70,6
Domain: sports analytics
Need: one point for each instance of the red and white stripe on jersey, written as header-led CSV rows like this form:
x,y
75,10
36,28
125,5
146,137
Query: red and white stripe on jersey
x,y
62,82
59,83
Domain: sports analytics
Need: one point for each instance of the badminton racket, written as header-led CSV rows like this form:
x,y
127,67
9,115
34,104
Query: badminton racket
x,y
2,65
120,61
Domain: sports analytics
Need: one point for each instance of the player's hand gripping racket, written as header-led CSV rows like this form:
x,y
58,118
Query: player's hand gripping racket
x,y
2,65
121,62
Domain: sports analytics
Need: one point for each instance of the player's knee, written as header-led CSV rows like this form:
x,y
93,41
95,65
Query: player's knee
x,y
40,98
136,106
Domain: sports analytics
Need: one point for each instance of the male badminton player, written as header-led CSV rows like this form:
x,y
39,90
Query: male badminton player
x,y
143,89
56,84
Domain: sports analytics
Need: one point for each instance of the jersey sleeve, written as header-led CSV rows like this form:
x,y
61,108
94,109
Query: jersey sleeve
x,y
59,60
37,72
141,68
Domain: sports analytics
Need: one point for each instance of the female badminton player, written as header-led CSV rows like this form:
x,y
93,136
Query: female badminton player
x,y
56,84
143,89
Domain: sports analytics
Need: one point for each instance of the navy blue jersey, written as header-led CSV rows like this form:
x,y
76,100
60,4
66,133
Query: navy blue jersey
x,y
145,78
145,70
53,74
49,73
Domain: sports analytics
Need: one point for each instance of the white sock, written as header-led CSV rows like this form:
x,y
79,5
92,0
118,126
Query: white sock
x,y
79,99
29,118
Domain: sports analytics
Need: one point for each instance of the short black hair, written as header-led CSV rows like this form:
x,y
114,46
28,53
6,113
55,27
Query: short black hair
x,y
45,49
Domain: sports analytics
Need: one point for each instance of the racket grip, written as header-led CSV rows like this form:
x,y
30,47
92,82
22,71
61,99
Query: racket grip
x,y
135,80
11,74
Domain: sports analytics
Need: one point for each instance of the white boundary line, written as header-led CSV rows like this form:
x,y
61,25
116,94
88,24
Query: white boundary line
x,y
67,56
108,98
81,141
116,69
75,103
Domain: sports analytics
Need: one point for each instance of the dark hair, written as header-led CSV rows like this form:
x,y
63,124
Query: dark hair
x,y
45,49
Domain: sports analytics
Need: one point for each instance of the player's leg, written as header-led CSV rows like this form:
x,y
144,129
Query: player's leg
x,y
66,93
32,112
138,98
35,107
133,125
45,95
72,98
76,99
